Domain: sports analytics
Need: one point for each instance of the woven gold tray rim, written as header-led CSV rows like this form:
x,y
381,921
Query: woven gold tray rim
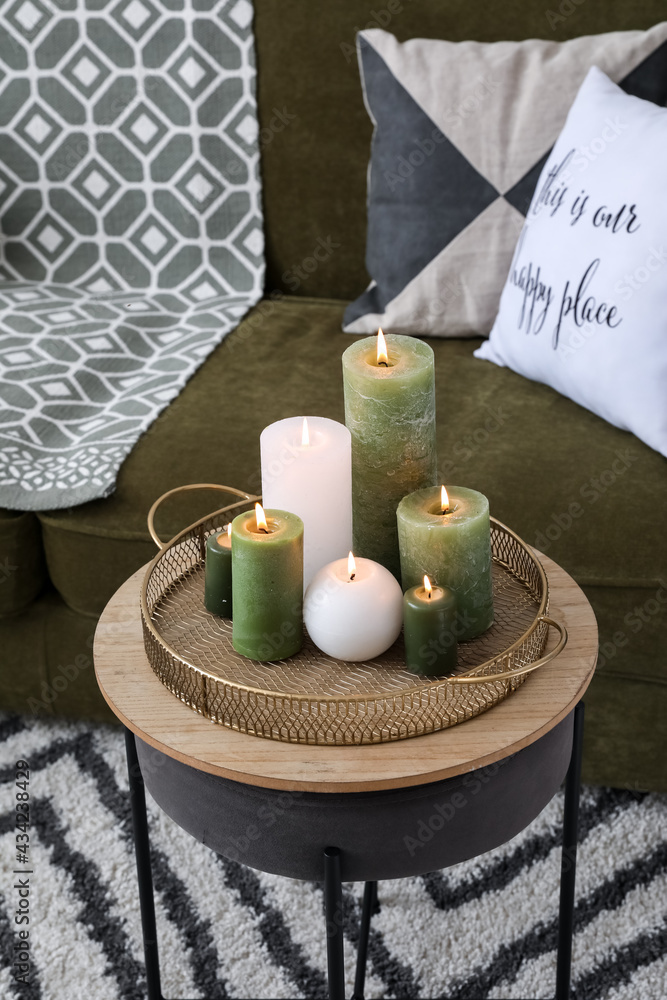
x,y
204,687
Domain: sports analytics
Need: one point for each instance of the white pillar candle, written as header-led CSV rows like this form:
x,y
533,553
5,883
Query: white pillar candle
x,y
307,470
353,609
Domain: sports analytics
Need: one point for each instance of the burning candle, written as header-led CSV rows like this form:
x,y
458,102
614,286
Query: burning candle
x,y
447,534
429,626
390,411
267,584
306,468
353,609
218,573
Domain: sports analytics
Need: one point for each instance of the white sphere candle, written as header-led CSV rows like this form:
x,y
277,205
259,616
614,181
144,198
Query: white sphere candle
x,y
307,469
353,609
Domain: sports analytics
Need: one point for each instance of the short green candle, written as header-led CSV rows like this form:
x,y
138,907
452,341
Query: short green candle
x,y
218,574
429,628
451,546
267,584
390,413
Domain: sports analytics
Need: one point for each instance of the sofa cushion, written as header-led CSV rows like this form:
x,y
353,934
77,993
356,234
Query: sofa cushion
x,y
461,133
583,308
315,133
590,495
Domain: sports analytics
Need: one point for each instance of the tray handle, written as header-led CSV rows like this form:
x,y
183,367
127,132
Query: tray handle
x,y
183,489
508,674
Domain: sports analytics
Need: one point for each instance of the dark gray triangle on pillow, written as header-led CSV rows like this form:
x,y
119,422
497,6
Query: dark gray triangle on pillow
x,y
462,131
409,206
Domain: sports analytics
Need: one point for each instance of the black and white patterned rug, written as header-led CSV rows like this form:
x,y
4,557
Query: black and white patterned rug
x,y
486,928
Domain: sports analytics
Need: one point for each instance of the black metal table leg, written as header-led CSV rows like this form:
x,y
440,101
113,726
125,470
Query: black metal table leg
x,y
569,859
333,910
368,906
144,876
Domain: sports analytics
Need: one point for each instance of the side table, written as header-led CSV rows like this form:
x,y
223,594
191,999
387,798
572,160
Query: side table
x,y
348,813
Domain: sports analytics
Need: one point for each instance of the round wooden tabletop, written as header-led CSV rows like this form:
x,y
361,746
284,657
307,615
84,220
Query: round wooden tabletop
x,y
146,707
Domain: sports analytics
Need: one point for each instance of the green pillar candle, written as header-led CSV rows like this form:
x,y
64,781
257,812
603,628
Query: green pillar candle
x,y
267,584
218,573
390,412
429,628
450,540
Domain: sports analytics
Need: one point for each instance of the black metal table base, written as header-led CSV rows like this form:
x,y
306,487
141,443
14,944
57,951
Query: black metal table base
x,y
333,887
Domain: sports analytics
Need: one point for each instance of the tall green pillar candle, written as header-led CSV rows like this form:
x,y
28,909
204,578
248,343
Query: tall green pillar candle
x,y
450,540
429,629
218,573
267,584
390,412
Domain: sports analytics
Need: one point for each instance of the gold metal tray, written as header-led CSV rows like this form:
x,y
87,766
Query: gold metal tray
x,y
311,697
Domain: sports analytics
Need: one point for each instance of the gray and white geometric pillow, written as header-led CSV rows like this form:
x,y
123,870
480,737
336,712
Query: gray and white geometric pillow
x,y
462,131
130,221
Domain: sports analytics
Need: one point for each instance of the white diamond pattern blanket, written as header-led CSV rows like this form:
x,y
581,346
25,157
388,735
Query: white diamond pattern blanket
x,y
131,234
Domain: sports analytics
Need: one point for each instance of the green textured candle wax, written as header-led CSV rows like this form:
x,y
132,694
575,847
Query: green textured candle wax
x,y
429,629
267,584
218,574
390,412
450,540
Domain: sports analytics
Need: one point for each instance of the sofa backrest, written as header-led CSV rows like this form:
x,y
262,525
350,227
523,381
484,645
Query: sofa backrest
x,y
315,133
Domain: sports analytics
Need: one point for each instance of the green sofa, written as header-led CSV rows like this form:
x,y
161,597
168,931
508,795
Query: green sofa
x,y
590,495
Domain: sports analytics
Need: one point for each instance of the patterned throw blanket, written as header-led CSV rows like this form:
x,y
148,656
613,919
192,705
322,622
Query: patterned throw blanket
x,y
130,222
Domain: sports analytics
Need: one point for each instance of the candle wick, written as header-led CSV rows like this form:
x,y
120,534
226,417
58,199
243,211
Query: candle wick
x,y
429,595
383,364
265,531
352,576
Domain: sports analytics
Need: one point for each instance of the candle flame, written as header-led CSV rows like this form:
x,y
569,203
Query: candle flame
x,y
351,566
444,500
260,518
305,435
228,529
427,586
382,356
